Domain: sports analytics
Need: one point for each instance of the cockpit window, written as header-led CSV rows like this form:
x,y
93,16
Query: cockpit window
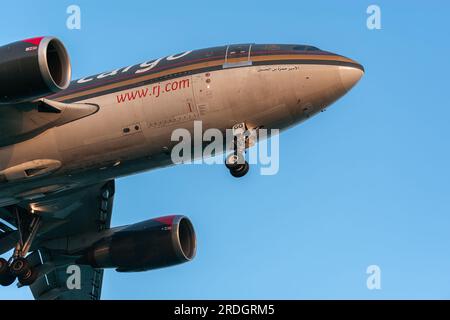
x,y
272,47
305,48
262,49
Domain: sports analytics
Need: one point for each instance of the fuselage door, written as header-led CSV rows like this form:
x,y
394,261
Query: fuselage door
x,y
238,55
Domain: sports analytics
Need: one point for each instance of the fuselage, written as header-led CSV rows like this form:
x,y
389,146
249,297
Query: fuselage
x,y
271,86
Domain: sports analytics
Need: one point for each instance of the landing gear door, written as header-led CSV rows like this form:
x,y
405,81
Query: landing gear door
x,y
238,55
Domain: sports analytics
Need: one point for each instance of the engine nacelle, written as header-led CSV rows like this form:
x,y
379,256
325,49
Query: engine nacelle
x,y
152,244
32,69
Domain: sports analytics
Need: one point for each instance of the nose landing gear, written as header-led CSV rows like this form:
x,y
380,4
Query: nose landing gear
x,y
237,165
235,162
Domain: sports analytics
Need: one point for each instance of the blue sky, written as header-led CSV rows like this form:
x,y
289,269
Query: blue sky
x,y
366,182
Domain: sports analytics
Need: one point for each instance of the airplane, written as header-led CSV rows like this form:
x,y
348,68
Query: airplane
x,y
63,143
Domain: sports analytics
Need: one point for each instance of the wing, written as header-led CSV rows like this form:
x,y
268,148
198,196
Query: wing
x,y
84,210
53,285
23,121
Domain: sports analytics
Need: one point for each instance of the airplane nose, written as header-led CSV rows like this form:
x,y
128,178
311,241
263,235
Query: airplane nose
x,y
350,76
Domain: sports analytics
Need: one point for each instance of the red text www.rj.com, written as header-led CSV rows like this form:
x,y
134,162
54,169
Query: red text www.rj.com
x,y
154,91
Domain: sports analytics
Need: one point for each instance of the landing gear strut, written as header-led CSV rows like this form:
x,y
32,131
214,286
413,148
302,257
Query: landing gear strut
x,y
235,162
18,266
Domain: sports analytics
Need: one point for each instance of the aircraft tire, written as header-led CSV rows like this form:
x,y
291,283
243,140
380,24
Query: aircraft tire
x,y
28,278
19,267
6,278
233,161
240,171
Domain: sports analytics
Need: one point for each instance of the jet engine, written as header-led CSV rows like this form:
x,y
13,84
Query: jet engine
x,y
33,68
152,244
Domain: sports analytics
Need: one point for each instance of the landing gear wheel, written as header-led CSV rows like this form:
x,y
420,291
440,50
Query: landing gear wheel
x,y
29,277
233,161
6,278
3,266
19,267
241,170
